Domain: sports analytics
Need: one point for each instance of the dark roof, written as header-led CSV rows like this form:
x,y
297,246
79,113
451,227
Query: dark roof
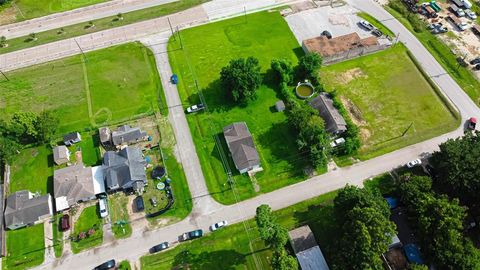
x,y
241,146
21,209
73,136
105,134
307,251
127,134
124,168
73,182
334,122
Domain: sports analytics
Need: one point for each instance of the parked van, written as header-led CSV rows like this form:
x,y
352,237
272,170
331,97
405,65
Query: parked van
x,y
455,20
102,207
457,11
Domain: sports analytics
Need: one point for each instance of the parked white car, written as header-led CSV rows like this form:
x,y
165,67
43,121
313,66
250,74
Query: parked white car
x,y
463,26
366,25
470,14
414,163
218,225
102,207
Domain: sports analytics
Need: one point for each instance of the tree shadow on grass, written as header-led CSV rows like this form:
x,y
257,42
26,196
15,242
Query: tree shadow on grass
x,y
221,259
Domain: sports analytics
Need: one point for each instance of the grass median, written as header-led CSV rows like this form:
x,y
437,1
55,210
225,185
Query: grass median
x,y
75,30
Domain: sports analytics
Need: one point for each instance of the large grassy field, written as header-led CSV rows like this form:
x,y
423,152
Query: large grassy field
x,y
28,9
25,248
111,85
385,93
88,219
266,36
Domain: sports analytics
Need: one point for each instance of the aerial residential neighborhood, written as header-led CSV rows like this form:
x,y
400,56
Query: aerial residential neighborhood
x,y
239,134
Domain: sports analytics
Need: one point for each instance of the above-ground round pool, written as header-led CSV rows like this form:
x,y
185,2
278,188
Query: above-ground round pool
x,y
304,90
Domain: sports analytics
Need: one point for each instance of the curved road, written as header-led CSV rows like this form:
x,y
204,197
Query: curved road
x,y
206,211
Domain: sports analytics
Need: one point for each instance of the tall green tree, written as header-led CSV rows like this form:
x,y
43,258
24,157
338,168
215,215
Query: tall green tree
x,y
281,260
8,149
241,78
265,221
283,69
308,66
47,125
24,125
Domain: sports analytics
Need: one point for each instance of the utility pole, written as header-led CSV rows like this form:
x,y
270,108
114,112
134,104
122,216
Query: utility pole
x,y
171,29
180,38
245,11
83,53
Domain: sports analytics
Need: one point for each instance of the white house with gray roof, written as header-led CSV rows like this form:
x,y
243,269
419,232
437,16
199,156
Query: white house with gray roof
x,y
23,209
126,134
334,122
242,148
125,169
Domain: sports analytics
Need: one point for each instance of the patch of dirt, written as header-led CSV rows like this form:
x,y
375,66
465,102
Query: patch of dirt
x,y
351,75
353,111
338,19
8,16
364,134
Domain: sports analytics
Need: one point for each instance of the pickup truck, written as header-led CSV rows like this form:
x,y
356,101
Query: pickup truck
x,y
191,235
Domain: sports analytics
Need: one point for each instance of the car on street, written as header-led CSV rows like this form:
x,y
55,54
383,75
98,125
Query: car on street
x,y
102,207
366,25
472,123
65,223
192,235
159,247
326,34
139,204
195,108
106,265
414,163
218,225
470,14
377,33
174,79
475,61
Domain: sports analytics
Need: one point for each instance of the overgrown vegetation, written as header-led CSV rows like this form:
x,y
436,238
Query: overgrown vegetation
x,y
241,78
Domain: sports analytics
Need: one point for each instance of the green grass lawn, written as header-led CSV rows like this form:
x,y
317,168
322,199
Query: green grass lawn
x,y
122,83
443,54
28,9
25,248
33,170
57,236
385,93
90,147
117,204
266,36
100,24
89,218
124,265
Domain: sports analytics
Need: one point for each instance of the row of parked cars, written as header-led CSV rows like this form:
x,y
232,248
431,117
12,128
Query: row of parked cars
x,y
370,28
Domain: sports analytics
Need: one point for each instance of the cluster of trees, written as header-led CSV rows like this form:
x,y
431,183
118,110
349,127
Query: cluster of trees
x,y
417,24
276,237
241,78
366,231
25,128
439,222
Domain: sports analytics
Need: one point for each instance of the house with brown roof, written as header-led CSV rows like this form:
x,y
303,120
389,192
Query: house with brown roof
x,y
341,47
61,154
242,148
75,184
334,122
23,209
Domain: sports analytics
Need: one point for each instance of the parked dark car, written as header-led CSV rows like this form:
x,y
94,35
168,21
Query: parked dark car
x,y
139,204
174,79
475,61
377,33
462,62
65,223
192,235
159,247
106,265
326,34
477,67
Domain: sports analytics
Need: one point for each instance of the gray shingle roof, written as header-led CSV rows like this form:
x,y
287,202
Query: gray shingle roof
x,y
73,136
334,122
21,210
105,134
241,146
127,134
306,249
60,154
124,168
74,182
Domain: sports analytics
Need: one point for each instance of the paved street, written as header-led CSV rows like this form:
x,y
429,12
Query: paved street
x,y
206,211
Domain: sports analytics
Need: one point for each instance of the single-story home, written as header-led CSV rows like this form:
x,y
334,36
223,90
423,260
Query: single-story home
x,y
127,135
105,136
75,184
24,209
334,122
72,138
125,169
242,148
307,251
61,154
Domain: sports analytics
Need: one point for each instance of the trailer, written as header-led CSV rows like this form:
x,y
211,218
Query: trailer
x,y
435,6
430,12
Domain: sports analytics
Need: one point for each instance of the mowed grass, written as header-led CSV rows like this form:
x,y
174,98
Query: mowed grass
x,y
206,49
118,204
120,82
28,9
32,170
385,94
25,248
88,219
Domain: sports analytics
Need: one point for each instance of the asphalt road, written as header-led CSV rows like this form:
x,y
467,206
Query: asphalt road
x,y
205,215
